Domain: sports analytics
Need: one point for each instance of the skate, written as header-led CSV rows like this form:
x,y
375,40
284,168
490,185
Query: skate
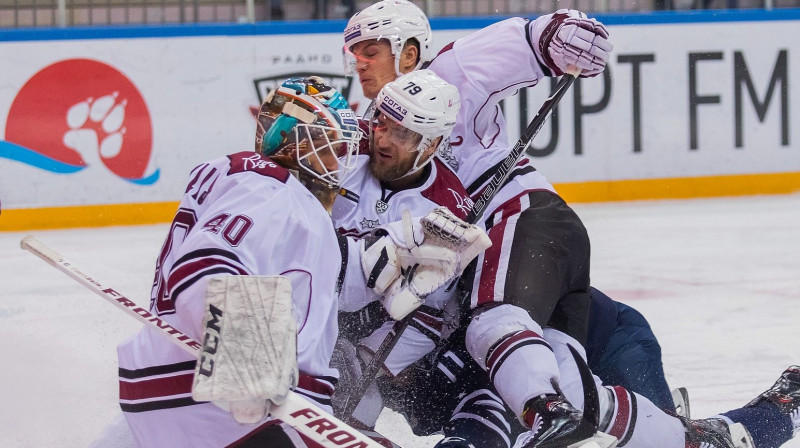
x,y
681,398
554,422
785,394
716,433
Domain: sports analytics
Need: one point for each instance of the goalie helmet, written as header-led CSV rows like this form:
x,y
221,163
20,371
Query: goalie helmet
x,y
306,125
395,20
423,103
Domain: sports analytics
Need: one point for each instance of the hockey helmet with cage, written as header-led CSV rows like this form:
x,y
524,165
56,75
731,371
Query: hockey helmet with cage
x,y
423,103
394,20
310,121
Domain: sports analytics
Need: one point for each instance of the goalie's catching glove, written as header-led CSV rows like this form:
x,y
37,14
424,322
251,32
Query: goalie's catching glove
x,y
568,40
446,246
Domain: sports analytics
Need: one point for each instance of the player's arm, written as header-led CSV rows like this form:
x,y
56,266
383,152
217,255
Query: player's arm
x,y
498,60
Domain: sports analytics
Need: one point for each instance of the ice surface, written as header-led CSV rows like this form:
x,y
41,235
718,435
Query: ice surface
x,y
718,279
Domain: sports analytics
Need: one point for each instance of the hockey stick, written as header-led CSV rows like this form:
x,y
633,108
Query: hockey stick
x,y
305,417
496,181
525,140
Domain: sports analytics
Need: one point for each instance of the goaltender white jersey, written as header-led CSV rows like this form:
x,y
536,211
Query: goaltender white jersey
x,y
487,66
240,215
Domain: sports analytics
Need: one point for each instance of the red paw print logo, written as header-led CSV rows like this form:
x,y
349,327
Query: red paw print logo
x,y
81,113
96,128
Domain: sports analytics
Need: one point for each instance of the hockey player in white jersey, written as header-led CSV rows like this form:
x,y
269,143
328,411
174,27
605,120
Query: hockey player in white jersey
x,y
526,218
259,213
398,176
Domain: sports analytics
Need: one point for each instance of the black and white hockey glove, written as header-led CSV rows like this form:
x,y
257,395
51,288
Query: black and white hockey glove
x,y
431,251
569,41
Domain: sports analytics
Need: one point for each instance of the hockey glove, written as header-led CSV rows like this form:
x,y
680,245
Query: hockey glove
x,y
379,262
569,41
447,246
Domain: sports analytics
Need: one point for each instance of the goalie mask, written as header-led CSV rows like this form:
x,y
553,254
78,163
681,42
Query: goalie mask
x,y
307,126
416,112
394,20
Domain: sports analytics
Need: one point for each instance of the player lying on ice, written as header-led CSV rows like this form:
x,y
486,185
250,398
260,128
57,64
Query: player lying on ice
x,y
499,334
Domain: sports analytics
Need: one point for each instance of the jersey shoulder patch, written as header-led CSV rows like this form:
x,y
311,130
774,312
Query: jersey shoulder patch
x,y
446,190
248,161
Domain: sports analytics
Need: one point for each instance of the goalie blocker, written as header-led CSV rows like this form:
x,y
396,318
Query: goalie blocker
x,y
249,355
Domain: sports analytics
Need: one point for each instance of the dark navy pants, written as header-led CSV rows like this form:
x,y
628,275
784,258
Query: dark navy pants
x,y
622,350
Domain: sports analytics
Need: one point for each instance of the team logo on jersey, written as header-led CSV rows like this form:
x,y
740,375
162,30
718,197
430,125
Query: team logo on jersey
x,y
256,162
369,223
98,118
381,206
465,204
445,153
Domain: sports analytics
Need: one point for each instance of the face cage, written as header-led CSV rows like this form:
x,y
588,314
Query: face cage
x,y
326,142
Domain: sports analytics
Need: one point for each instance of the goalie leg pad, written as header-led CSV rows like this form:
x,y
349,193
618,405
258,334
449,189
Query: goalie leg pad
x,y
249,345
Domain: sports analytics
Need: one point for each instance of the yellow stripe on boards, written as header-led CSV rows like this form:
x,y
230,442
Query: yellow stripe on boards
x,y
87,216
599,191
680,187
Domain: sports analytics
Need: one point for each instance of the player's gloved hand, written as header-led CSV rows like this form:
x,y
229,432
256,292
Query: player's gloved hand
x,y
447,246
379,262
572,41
249,355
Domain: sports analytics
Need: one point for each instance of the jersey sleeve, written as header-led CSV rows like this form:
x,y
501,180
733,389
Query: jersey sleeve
x,y
493,62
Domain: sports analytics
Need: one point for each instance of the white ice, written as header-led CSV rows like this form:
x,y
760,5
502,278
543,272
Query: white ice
x,y
718,279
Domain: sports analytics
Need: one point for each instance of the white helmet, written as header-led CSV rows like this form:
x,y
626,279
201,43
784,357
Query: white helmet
x,y
395,20
424,103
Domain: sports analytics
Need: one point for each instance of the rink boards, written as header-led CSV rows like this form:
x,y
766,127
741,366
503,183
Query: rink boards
x,y
101,126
